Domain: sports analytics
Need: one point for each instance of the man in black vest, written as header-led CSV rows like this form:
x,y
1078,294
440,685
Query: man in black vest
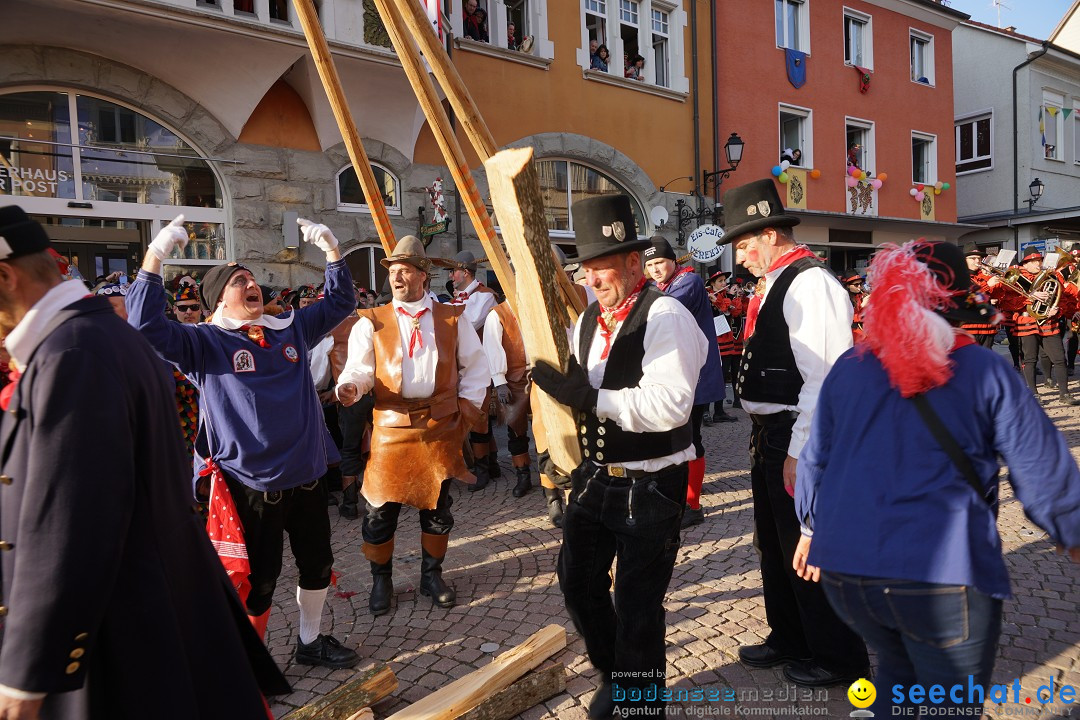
x,y
630,382
803,325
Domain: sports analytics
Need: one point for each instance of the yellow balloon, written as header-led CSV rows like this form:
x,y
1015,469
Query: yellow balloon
x,y
862,693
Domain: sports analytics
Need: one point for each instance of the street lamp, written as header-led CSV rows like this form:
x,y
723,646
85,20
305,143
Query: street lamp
x,y
733,151
1036,189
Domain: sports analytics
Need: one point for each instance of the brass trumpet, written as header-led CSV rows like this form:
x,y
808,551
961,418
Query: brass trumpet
x,y
1046,281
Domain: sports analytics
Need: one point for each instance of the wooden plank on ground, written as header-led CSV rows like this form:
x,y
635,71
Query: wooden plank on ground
x,y
526,693
515,193
346,702
464,694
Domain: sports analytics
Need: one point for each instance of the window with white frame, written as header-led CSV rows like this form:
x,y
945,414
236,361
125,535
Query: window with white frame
x,y
629,22
858,39
923,158
793,24
564,182
796,133
351,196
661,30
861,196
859,149
922,57
1052,125
596,21
1076,133
974,143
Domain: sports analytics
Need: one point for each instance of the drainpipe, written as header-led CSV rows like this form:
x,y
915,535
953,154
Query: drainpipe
x,y
694,75
715,88
1016,138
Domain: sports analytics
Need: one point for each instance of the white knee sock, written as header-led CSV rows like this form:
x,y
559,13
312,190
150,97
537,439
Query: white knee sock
x,y
311,606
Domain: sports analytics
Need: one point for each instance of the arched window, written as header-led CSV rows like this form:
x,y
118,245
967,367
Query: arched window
x,y
103,177
351,196
564,182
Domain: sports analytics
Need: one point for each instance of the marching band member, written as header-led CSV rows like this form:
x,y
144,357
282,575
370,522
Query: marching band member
x,y
853,283
984,333
727,301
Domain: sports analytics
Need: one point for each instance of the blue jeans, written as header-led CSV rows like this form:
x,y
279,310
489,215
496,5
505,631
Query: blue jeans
x,y
924,633
637,521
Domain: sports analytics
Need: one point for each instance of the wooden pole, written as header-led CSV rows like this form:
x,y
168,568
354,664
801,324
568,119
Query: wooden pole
x,y
349,700
409,55
324,63
528,692
417,25
515,192
462,695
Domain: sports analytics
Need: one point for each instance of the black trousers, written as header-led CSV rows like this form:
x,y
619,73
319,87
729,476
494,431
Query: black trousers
x,y
729,363
516,444
637,521
352,421
380,523
801,621
697,414
1054,350
266,517
987,341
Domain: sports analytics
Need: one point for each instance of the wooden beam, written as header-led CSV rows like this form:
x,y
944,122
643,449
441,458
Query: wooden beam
x,y
526,693
515,192
409,55
466,693
465,110
324,63
348,701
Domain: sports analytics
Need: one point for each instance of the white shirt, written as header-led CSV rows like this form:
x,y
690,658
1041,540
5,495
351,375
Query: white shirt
x,y
818,313
320,363
418,371
477,305
26,336
675,351
493,348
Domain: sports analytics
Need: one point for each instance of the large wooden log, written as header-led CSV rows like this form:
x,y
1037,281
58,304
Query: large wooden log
x,y
464,694
527,692
349,700
417,25
324,63
515,192
409,55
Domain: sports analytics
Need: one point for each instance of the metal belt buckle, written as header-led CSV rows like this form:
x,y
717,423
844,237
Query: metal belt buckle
x,y
616,471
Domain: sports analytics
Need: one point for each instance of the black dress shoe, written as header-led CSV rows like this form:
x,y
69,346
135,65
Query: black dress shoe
x,y
326,651
812,675
602,705
763,656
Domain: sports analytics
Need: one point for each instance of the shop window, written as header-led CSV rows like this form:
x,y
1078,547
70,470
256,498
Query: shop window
x,y
563,182
35,146
922,57
923,158
974,143
793,24
858,39
351,196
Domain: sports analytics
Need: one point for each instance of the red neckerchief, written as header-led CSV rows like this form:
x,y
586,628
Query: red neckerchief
x,y
962,339
256,334
609,319
9,389
754,307
459,298
415,339
682,271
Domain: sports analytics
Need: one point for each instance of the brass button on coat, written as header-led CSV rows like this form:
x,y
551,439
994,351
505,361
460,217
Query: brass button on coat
x,y
5,480
5,545
77,653
72,668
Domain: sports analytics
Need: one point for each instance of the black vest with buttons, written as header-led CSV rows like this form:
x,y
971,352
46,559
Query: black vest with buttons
x,y
767,370
602,440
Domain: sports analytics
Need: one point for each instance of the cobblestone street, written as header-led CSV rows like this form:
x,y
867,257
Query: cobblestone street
x,y
502,562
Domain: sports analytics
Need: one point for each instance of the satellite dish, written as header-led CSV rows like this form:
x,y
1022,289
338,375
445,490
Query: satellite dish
x,y
658,215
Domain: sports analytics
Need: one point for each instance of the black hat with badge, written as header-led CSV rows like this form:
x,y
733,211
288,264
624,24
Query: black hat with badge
x,y
604,225
752,207
19,234
214,282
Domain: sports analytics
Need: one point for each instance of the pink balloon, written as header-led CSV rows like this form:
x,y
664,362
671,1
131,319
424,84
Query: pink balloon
x,y
852,182
876,184
853,171
919,196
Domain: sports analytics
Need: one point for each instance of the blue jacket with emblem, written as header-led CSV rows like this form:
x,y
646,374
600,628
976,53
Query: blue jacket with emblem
x,y
259,413
689,289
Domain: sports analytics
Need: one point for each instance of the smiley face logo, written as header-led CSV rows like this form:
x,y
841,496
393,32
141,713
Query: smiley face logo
x,y
862,693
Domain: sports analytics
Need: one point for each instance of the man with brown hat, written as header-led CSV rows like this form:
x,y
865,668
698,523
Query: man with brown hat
x,y
429,374
803,325
630,382
262,436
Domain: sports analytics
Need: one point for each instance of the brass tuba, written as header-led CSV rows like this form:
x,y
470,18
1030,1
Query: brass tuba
x,y
1046,281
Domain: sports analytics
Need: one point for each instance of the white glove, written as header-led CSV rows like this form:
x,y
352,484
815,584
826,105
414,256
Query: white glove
x,y
318,235
171,236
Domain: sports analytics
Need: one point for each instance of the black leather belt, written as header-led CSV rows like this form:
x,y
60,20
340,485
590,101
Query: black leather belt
x,y
784,416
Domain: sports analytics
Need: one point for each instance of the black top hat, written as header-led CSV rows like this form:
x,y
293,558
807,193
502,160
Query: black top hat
x,y
947,262
214,283
659,248
605,226
19,235
973,249
752,207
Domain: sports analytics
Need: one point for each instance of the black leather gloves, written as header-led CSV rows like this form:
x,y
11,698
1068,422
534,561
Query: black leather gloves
x,y
571,389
